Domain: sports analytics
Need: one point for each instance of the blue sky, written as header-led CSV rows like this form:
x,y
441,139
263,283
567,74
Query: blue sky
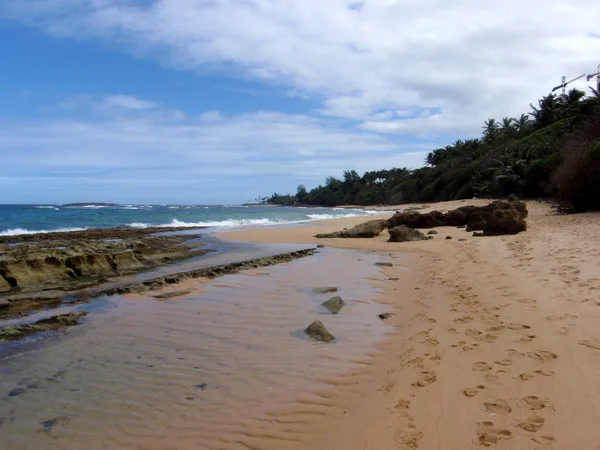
x,y
189,101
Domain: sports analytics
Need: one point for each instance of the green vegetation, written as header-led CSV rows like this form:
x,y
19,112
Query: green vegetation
x,y
554,151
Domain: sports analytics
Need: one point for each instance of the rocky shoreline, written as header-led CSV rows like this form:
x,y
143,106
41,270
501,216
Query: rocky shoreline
x,y
39,270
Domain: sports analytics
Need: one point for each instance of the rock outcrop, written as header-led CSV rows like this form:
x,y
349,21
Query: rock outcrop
x,y
415,219
318,332
368,229
334,304
402,233
498,217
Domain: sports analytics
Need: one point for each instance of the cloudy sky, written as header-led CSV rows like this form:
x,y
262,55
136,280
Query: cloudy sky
x,y
219,101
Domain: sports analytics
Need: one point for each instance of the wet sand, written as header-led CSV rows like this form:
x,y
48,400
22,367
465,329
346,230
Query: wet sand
x,y
496,341
225,366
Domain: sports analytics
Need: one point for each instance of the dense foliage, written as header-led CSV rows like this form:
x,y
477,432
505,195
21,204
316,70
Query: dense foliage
x,y
552,151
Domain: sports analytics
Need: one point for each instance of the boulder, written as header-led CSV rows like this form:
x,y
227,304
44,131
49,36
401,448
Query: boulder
x,y
368,229
334,304
403,234
432,232
414,219
318,332
504,221
476,222
384,316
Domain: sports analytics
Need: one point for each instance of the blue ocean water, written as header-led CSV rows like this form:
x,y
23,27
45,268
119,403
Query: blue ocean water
x,y
22,219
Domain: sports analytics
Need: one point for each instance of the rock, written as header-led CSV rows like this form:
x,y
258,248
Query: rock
x,y
14,332
325,290
504,221
173,294
448,237
318,332
432,232
334,304
320,246
385,316
416,220
403,234
476,222
201,386
462,239
4,286
384,264
368,229
4,303
478,234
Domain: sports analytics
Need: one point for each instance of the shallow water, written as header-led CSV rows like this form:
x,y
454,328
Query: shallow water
x,y
194,372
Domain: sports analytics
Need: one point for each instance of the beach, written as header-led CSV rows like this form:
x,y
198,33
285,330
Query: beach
x,y
450,344
496,340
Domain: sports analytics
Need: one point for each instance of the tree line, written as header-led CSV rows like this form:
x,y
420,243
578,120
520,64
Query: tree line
x,y
551,151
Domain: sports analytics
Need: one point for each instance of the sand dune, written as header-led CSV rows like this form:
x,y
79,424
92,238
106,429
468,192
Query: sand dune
x,y
497,341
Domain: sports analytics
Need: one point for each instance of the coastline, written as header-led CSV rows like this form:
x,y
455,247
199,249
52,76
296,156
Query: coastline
x,y
496,341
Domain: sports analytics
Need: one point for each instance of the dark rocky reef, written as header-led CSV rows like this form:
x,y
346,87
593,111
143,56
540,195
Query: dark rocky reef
x,y
209,272
368,229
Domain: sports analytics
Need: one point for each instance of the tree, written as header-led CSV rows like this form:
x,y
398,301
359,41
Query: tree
x,y
490,130
301,194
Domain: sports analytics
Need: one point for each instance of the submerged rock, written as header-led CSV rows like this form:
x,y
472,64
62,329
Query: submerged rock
x,y
325,290
14,332
368,229
334,304
318,332
403,234
173,294
384,316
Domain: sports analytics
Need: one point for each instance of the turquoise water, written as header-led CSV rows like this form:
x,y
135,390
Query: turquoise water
x,y
22,219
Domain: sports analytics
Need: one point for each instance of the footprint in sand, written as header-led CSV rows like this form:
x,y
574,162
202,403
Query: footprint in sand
x,y
525,338
542,355
489,434
403,404
459,344
536,373
515,352
472,392
504,362
532,424
517,326
590,344
463,319
492,379
543,440
473,333
426,379
498,407
496,329
482,366
534,403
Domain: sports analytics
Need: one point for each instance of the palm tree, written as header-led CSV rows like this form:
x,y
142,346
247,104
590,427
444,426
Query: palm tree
x,y
547,113
569,103
523,122
490,130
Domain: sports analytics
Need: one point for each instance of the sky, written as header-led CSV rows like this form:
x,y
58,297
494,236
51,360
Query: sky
x,y
221,101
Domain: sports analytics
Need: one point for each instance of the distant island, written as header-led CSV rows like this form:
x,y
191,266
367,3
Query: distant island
x,y
91,204
551,152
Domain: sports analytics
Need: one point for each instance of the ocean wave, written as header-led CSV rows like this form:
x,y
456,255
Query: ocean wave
x,y
230,223
46,207
19,231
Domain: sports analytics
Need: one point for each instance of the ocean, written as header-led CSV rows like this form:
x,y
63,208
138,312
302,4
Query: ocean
x,y
25,219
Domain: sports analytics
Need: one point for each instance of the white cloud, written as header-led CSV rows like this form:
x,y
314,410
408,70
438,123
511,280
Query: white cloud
x,y
126,102
470,59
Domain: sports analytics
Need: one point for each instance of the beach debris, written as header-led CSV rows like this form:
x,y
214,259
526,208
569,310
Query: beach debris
x,y
402,233
432,232
384,264
325,290
384,316
16,392
496,218
368,229
334,304
14,332
318,332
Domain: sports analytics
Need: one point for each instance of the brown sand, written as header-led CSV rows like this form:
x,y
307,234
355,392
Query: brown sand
x,y
497,343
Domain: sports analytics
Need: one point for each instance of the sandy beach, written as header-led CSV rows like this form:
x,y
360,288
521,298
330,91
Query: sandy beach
x,y
496,342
